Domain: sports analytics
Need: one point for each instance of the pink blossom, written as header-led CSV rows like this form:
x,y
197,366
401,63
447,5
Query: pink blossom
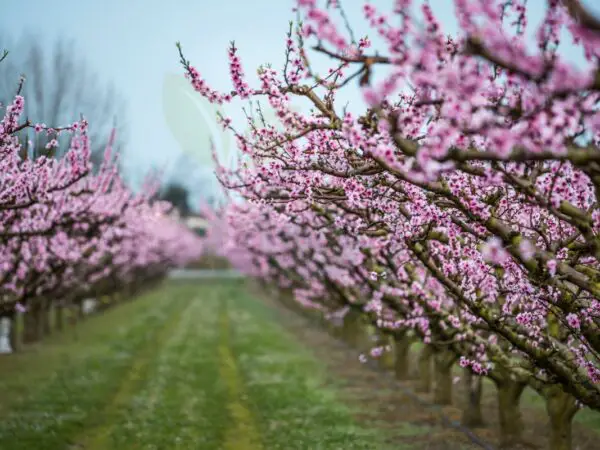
x,y
551,265
493,251
573,321
526,249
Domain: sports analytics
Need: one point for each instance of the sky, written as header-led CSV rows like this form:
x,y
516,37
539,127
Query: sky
x,y
131,43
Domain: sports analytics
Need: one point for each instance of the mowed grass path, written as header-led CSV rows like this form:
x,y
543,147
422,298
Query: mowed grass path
x,y
192,365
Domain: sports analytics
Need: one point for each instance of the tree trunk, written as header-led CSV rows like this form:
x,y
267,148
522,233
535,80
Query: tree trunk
x,y
387,358
32,325
333,325
424,384
401,356
45,316
471,414
73,313
511,421
14,334
353,330
442,391
561,408
101,303
60,317
28,326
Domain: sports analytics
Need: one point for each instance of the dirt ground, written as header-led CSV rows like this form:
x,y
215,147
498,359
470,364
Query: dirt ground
x,y
381,401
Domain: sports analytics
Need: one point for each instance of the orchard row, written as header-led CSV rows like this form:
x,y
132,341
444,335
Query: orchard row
x,y
68,232
460,208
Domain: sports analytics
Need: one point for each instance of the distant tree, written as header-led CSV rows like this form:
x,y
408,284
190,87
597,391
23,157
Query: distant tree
x,y
59,86
193,175
178,196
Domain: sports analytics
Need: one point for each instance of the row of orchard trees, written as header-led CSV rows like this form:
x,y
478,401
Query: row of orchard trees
x,y
461,208
68,232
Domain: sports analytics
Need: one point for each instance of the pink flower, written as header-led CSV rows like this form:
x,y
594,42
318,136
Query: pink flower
x,y
526,249
573,321
52,143
377,352
551,265
364,43
371,96
493,251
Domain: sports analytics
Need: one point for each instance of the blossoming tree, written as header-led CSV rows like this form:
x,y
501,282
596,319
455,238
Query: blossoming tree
x,y
460,208
67,234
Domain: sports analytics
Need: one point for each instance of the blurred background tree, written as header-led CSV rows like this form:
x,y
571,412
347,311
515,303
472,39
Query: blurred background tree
x,y
187,183
59,87
178,196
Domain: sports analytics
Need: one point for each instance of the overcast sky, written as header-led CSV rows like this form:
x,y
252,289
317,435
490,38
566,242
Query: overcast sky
x,y
132,43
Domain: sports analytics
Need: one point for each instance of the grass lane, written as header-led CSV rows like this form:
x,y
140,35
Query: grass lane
x,y
211,386
55,390
123,404
189,366
180,404
243,434
285,385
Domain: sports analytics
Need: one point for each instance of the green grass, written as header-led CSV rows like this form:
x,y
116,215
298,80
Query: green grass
x,y
285,385
191,365
53,391
177,399
187,366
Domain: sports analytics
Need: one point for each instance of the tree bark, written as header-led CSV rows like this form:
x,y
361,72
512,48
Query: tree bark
x,y
14,334
28,326
424,384
561,408
511,421
32,324
442,391
60,317
353,331
387,358
46,312
80,311
333,326
471,414
401,356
